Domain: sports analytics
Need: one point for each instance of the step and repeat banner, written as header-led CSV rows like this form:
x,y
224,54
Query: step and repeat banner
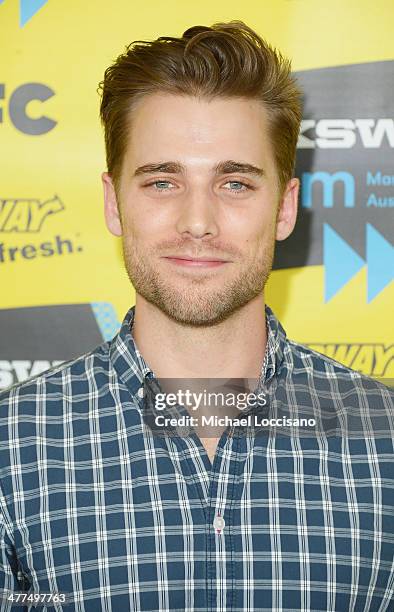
x,y
63,288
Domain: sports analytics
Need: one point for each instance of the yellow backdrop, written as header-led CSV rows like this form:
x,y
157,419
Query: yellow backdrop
x,y
56,249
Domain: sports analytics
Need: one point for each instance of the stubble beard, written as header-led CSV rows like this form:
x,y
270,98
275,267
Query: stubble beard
x,y
197,302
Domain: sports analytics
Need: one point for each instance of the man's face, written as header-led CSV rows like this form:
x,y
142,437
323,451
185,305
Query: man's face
x,y
199,204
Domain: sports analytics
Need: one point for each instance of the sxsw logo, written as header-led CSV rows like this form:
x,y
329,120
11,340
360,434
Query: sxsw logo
x,y
346,133
27,9
27,215
344,161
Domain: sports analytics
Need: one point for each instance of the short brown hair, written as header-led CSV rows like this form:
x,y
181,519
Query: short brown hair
x,y
224,60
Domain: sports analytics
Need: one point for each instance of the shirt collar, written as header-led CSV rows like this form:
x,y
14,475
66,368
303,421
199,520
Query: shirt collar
x,y
133,369
276,343
125,356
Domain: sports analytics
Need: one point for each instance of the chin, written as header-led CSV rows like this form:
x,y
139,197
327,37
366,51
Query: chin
x,y
195,319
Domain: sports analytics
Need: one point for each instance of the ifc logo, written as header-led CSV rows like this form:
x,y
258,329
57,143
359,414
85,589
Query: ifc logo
x,y
17,108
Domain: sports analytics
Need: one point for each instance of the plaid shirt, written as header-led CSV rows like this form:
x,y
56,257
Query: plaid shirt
x,y
94,506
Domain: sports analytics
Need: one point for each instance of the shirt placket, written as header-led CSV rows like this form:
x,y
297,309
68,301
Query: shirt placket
x,y
219,511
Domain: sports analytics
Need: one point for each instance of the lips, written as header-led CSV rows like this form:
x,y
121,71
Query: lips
x,y
196,262
189,258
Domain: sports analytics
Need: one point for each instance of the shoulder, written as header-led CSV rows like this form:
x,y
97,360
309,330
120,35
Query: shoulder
x,y
69,379
343,401
325,374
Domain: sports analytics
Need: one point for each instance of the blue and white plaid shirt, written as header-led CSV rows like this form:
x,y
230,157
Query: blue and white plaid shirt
x,y
94,506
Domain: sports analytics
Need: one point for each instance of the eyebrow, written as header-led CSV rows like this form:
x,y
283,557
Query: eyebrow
x,y
225,167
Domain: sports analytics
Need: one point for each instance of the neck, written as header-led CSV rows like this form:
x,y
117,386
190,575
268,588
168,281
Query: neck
x,y
234,348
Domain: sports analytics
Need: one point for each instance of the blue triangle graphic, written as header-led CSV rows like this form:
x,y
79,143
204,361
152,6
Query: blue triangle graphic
x,y
341,262
28,8
380,260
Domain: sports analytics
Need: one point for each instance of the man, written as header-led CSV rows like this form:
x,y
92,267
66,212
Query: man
x,y
101,508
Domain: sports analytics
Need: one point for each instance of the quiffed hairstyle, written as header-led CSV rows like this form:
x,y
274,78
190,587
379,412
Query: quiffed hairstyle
x,y
224,60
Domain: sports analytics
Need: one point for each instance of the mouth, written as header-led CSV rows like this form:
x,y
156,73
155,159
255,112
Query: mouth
x,y
196,262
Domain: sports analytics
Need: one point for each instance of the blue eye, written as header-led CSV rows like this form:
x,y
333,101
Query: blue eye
x,y
238,183
160,183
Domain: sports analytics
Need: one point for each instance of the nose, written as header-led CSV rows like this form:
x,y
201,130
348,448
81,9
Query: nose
x,y
198,214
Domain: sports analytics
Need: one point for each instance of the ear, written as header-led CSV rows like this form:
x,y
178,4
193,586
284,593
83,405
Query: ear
x,y
287,213
111,210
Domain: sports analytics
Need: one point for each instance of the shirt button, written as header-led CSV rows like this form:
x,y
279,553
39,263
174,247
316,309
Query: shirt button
x,y
218,523
140,392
